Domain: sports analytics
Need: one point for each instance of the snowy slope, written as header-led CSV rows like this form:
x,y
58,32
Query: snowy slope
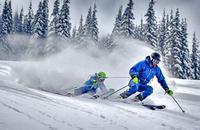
x,y
24,107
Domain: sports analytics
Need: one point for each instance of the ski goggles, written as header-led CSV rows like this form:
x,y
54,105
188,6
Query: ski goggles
x,y
155,61
102,79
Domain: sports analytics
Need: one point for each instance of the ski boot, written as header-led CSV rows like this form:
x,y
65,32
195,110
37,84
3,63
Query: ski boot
x,y
137,98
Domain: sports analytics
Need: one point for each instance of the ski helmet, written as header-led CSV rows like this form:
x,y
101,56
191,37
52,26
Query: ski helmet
x,y
155,56
102,74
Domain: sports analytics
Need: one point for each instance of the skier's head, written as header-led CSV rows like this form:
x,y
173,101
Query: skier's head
x,y
101,76
155,58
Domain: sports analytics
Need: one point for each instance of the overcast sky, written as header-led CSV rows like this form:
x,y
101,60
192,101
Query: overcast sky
x,y
107,10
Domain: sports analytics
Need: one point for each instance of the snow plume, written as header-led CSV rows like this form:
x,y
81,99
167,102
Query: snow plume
x,y
25,47
71,67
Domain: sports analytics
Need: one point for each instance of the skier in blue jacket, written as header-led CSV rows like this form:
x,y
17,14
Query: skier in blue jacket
x,y
90,86
141,74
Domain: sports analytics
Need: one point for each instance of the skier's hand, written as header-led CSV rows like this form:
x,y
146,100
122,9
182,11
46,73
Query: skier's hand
x,y
94,81
135,80
170,92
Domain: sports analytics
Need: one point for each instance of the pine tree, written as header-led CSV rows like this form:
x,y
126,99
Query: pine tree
x,y
5,20
151,26
25,23
195,59
118,21
185,55
5,49
30,20
45,18
177,69
127,21
167,45
1,25
141,31
74,33
16,22
64,26
55,18
80,32
38,22
162,35
10,18
20,23
88,24
41,20
171,16
94,24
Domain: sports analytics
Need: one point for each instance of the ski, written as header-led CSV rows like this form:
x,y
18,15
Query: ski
x,y
154,107
103,94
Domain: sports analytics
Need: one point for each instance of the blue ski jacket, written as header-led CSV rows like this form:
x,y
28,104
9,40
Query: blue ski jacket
x,y
145,71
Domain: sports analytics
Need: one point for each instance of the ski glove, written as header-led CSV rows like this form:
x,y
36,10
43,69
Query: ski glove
x,y
94,81
170,92
135,79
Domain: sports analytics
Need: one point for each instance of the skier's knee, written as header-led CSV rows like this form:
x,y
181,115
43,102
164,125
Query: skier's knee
x,y
150,90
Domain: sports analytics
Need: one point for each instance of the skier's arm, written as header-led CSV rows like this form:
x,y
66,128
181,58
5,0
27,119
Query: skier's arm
x,y
161,79
134,71
93,79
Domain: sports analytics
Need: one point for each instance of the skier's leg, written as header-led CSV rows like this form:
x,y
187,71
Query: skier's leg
x,y
132,89
145,90
81,90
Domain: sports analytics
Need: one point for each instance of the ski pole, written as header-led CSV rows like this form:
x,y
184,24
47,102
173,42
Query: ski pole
x,y
115,92
178,104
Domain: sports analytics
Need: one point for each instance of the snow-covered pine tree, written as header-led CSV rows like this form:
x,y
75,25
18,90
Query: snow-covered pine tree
x,y
5,20
41,20
25,23
15,22
127,25
94,25
167,45
116,32
185,55
141,30
45,18
151,26
10,18
80,31
177,69
195,59
171,16
88,25
74,33
55,18
1,23
5,49
38,22
64,26
30,18
136,30
20,21
162,33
